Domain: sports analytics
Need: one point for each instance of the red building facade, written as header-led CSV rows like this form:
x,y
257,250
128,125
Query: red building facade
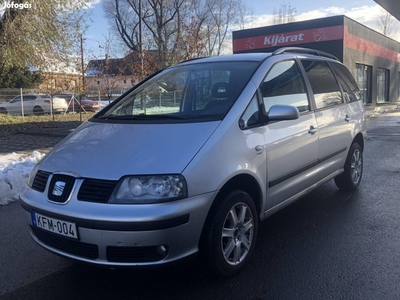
x,y
373,58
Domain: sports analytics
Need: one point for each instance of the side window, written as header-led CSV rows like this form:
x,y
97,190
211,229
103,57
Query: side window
x,y
323,83
29,98
251,116
16,99
349,86
284,84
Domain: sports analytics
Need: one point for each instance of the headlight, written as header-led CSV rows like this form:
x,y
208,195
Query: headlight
x,y
149,189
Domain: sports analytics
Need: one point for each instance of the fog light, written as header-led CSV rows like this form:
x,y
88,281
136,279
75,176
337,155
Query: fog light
x,y
162,250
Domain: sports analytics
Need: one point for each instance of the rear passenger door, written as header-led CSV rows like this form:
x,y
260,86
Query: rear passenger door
x,y
291,146
29,103
331,114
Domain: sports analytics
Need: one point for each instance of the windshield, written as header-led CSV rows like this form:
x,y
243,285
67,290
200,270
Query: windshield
x,y
184,92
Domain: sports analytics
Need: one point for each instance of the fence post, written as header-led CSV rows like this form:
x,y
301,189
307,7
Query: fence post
x,y
22,103
51,108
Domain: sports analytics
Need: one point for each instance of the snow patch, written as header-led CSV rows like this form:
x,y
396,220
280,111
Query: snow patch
x,y
14,174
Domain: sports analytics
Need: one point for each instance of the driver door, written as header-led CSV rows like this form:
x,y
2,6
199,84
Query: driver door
x,y
292,145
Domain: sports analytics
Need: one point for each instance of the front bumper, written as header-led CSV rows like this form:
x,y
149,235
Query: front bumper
x,y
121,235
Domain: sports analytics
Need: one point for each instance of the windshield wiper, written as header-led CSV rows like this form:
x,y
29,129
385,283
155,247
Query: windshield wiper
x,y
144,117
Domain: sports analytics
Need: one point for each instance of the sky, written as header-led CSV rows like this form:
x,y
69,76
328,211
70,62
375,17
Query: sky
x,y
260,12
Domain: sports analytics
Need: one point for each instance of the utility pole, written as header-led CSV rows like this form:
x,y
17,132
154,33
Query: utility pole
x,y
82,63
140,40
83,79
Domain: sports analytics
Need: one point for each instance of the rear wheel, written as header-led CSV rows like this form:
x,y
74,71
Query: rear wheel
x,y
3,111
38,111
230,235
350,179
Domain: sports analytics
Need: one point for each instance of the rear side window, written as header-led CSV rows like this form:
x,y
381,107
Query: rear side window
x,y
349,86
284,84
323,83
29,98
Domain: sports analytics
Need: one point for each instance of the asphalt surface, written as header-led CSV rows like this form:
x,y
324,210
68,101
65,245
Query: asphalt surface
x,y
327,245
41,139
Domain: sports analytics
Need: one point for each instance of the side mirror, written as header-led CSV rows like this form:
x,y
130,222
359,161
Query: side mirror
x,y
280,112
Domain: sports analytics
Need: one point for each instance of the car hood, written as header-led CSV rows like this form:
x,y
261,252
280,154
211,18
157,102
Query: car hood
x,y
110,151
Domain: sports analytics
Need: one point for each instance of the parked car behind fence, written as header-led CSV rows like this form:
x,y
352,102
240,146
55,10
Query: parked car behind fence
x,y
78,103
34,104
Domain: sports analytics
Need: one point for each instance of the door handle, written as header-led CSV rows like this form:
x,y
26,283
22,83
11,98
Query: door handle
x,y
347,119
312,130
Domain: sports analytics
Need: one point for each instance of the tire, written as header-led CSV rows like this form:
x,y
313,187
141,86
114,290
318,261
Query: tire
x,y
350,179
229,236
3,111
38,111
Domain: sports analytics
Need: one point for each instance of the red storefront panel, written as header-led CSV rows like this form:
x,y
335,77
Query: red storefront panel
x,y
289,38
356,43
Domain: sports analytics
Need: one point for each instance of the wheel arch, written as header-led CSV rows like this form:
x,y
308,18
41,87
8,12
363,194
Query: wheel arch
x,y
359,139
244,182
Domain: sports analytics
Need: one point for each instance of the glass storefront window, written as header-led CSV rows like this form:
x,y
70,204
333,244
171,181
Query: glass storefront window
x,y
398,84
363,78
382,85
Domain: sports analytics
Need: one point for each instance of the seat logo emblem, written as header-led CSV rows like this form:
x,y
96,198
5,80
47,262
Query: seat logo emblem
x,y
58,188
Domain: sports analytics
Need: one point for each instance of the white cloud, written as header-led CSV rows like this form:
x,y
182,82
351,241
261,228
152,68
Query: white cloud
x,y
366,15
259,21
92,3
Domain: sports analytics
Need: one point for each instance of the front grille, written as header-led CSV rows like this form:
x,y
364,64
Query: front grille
x,y
40,181
135,254
84,250
96,190
60,187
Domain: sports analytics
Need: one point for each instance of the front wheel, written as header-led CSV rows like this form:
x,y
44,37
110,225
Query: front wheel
x,y
350,179
230,235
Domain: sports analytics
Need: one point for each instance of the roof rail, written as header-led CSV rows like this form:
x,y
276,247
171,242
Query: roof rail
x,y
190,59
304,50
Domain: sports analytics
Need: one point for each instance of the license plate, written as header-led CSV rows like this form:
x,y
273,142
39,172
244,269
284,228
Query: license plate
x,y
55,225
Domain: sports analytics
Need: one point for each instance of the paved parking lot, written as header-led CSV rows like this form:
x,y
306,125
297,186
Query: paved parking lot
x,y
25,144
42,140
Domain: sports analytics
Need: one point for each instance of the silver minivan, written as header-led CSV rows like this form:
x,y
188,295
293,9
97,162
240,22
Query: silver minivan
x,y
194,157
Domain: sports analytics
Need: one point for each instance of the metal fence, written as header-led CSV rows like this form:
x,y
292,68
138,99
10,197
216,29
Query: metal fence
x,y
20,103
36,102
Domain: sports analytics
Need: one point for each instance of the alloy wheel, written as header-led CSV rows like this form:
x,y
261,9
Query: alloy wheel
x,y
356,166
237,233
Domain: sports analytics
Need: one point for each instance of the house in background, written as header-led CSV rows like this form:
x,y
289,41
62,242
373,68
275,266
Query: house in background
x,y
111,76
60,76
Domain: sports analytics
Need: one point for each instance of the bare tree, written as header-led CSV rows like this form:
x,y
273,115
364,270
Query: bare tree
x,y
285,14
222,14
161,20
175,29
386,23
